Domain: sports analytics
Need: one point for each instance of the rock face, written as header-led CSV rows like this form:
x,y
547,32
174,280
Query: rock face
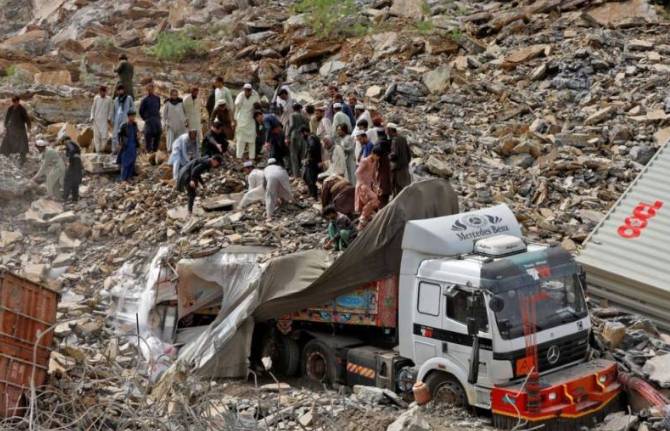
x,y
437,80
14,14
34,42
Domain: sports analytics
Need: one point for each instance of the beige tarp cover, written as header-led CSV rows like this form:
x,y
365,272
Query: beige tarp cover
x,y
294,282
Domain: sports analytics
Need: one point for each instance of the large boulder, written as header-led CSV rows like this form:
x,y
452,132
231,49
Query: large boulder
x,y
414,9
437,81
57,77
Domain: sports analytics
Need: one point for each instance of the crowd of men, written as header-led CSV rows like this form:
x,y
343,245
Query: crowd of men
x,y
347,157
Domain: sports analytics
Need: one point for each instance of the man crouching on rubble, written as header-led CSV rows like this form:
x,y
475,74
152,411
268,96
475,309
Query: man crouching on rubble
x,y
190,176
340,229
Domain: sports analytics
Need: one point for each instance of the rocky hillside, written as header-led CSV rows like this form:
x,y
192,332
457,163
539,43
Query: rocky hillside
x,y
551,106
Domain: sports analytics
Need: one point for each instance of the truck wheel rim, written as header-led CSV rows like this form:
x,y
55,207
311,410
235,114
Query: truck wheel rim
x,y
316,366
448,394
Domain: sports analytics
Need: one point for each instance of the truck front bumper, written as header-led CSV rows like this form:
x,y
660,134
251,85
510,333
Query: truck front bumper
x,y
582,394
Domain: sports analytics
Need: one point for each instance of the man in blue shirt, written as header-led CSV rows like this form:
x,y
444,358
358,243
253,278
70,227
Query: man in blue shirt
x,y
150,112
129,144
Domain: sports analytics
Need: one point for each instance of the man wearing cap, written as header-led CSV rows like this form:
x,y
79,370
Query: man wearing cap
x,y
400,157
221,93
52,167
339,117
277,187
296,142
190,176
245,129
215,141
256,185
325,126
192,111
184,149
102,113
129,143
150,112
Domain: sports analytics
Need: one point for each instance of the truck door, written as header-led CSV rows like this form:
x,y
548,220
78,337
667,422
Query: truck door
x,y
428,320
459,305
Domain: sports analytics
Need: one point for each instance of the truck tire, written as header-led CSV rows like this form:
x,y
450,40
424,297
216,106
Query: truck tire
x,y
319,362
445,389
285,354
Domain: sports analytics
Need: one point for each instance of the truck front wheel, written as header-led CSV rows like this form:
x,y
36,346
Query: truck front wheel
x,y
284,352
445,389
319,362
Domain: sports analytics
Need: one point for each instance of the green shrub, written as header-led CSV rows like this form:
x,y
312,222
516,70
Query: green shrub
x,y
424,26
176,46
327,17
104,42
10,70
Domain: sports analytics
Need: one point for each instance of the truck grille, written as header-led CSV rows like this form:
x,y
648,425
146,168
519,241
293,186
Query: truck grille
x,y
569,350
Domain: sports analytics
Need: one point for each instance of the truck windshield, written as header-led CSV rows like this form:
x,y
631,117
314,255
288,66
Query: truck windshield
x,y
558,300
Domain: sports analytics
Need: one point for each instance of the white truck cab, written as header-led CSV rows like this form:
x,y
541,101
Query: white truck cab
x,y
463,280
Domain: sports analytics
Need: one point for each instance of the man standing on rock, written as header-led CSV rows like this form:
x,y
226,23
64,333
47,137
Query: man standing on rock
x,y
275,142
174,118
340,117
102,113
129,143
277,188
295,140
52,167
73,174
367,198
125,71
324,126
400,157
190,176
245,130
150,112
313,162
123,104
184,149
363,145
223,93
285,103
192,110
17,127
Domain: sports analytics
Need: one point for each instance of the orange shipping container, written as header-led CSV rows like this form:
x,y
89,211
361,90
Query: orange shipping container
x,y
26,310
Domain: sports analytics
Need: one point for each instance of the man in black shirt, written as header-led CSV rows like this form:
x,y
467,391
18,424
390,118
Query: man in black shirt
x,y
190,176
215,141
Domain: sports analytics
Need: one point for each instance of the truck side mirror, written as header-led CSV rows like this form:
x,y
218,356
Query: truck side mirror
x,y
473,328
496,304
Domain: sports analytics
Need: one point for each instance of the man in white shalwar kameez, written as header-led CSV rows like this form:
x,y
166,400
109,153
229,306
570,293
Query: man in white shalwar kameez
x,y
102,113
192,111
256,182
245,131
221,92
174,118
277,187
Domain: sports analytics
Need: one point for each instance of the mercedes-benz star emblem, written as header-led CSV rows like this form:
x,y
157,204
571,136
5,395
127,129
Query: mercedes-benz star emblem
x,y
553,354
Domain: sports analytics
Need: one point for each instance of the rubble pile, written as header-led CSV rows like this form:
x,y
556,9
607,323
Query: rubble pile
x,y
552,107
